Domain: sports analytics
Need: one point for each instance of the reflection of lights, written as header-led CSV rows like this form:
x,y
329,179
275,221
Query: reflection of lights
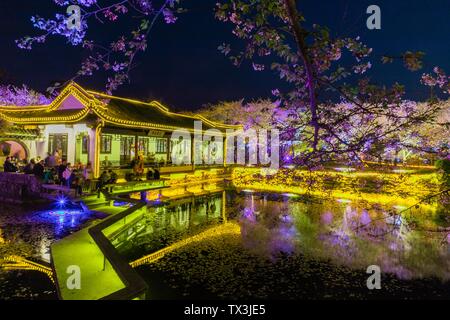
x,y
290,166
62,213
327,217
344,169
248,214
285,217
403,171
344,201
44,249
393,246
365,217
398,220
291,195
121,203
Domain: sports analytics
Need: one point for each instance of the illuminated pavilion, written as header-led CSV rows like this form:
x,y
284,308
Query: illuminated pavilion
x,y
106,131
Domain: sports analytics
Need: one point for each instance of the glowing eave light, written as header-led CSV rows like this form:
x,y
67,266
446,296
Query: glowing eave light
x,y
344,200
248,191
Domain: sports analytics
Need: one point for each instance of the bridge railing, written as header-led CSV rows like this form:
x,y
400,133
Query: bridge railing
x,y
135,286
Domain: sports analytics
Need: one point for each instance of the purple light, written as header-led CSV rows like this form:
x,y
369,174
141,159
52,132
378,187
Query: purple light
x,y
287,158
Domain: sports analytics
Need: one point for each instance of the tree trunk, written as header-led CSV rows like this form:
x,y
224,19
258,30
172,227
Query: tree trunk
x,y
300,35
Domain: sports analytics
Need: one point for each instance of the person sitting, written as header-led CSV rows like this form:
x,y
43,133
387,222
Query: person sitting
x,y
29,168
151,157
49,176
76,182
87,177
38,169
61,168
112,176
102,180
149,174
8,166
156,174
106,164
66,175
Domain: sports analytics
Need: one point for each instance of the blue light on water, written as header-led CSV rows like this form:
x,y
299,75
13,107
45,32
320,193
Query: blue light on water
x,y
117,203
61,201
65,212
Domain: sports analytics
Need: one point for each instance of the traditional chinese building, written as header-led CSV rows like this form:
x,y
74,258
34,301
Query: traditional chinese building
x,y
106,131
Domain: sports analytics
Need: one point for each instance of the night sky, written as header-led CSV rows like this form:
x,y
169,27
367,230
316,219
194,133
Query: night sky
x,y
183,68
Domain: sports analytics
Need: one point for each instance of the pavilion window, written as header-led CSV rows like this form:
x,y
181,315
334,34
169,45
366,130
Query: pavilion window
x,y
58,143
161,145
126,149
85,144
143,145
105,143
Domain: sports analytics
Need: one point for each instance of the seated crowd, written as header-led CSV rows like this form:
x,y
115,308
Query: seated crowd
x,y
78,176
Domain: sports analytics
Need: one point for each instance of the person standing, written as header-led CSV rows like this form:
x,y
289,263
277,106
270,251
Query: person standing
x,y
53,160
138,167
87,177
61,168
67,175
29,168
38,169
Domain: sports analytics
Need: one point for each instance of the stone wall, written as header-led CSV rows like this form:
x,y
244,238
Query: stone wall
x,y
17,188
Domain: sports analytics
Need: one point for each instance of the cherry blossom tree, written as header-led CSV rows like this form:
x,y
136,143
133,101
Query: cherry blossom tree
x,y
329,98
310,60
21,96
258,114
116,58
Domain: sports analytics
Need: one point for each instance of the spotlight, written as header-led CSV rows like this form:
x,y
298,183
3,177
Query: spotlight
x,y
61,201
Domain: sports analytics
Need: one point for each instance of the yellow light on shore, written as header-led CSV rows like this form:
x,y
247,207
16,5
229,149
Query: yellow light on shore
x,y
345,169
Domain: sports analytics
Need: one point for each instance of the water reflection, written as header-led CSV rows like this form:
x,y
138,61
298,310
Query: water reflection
x,y
163,225
348,233
31,231
274,226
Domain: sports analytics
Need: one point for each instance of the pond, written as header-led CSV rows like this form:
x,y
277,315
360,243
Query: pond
x,y
291,247
247,244
28,231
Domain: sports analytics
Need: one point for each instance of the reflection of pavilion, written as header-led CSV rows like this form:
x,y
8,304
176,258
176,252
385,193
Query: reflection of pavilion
x,y
185,215
86,126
